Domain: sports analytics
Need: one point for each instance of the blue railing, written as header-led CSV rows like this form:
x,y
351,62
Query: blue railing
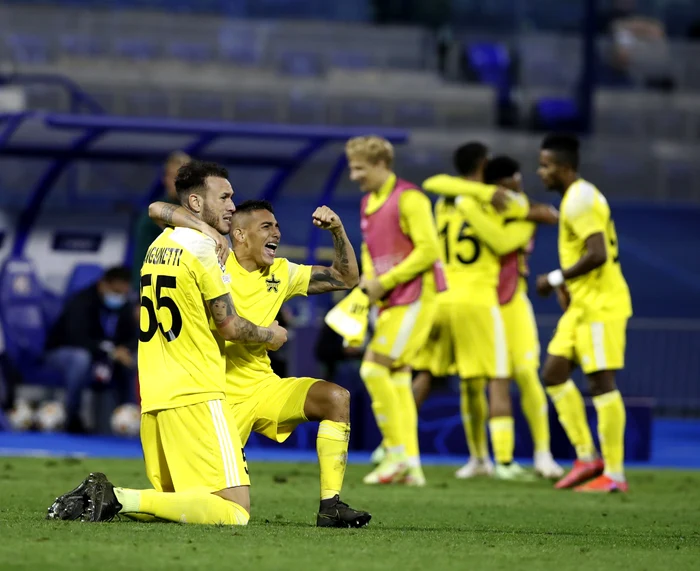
x,y
87,130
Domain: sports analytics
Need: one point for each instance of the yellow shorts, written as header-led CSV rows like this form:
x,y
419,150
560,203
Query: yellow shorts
x,y
480,346
274,409
401,330
521,333
437,353
594,345
195,447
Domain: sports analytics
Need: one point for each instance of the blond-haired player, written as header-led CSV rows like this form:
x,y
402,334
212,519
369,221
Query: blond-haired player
x,y
402,273
592,331
191,445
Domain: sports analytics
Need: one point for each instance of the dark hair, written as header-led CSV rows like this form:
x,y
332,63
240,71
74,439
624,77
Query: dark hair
x,y
565,147
253,206
468,157
117,274
499,168
192,177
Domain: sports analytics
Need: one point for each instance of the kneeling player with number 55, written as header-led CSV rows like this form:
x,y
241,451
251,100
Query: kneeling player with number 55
x,y
260,283
191,444
591,333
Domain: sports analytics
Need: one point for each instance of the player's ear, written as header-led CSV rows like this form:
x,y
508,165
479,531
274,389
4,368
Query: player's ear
x,y
238,235
195,202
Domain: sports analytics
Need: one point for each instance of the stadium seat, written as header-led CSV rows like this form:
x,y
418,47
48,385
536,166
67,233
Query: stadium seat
x,y
27,48
24,323
302,64
554,114
201,106
491,64
81,45
418,114
83,275
192,52
350,59
136,49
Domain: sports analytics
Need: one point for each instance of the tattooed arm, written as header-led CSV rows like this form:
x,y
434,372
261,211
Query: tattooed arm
x,y
343,273
233,327
166,214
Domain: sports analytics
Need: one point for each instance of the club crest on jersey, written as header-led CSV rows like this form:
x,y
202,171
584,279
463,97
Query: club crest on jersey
x,y
272,284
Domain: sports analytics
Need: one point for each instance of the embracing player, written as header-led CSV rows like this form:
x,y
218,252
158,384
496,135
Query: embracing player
x,y
521,328
469,330
191,445
592,331
260,283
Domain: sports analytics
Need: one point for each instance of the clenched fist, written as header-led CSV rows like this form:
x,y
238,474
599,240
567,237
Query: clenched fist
x,y
326,219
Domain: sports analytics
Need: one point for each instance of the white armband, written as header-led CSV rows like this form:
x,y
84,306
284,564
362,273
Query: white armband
x,y
555,278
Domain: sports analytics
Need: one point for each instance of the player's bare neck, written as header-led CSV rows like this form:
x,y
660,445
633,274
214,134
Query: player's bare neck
x,y
567,181
381,182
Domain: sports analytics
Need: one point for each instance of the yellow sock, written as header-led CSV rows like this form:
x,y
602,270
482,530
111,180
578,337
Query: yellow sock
x,y
568,401
332,448
502,438
475,411
385,405
611,432
534,404
409,414
183,507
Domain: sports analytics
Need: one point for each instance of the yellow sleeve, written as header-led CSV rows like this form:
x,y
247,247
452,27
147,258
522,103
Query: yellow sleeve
x,y
490,229
211,278
417,217
519,232
299,277
518,206
453,186
581,215
366,261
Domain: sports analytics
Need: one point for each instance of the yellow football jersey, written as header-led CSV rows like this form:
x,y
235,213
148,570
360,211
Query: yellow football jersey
x,y
180,359
602,293
471,266
258,296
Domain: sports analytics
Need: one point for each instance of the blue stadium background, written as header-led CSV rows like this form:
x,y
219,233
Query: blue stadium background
x,y
107,89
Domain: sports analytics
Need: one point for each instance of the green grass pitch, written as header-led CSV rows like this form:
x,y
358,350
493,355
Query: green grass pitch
x,y
451,524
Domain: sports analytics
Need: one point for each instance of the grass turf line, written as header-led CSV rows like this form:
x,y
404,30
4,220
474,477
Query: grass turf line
x,y
451,524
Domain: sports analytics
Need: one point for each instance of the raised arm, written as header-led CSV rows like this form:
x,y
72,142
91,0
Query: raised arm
x,y
167,214
343,273
454,186
233,327
499,237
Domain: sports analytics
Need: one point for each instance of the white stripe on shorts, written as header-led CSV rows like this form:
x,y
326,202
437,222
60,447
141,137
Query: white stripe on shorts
x,y
228,454
406,329
598,338
501,344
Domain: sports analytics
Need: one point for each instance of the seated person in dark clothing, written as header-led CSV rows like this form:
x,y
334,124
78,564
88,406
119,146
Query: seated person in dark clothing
x,y
95,340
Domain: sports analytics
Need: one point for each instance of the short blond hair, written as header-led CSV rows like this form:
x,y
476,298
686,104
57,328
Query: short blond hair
x,y
371,148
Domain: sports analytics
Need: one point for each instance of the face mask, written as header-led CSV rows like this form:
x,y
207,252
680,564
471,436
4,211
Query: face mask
x,y
114,300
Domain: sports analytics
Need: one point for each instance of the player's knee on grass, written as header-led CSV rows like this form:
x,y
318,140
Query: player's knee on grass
x,y
499,398
601,382
327,401
239,495
556,370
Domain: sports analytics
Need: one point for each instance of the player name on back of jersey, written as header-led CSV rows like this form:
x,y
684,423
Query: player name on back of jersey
x,y
163,256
